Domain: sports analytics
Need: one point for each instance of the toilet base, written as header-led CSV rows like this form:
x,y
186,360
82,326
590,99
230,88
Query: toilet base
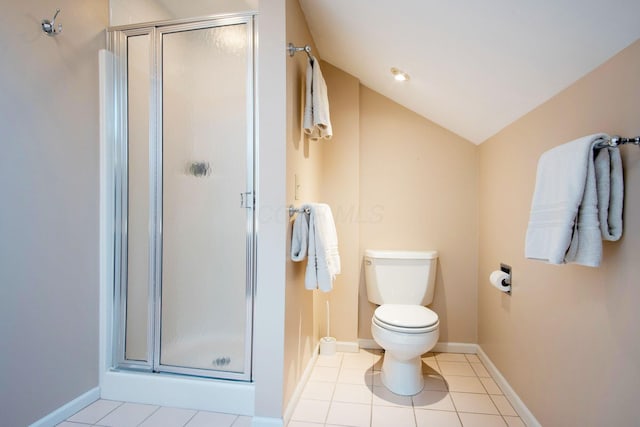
x,y
403,377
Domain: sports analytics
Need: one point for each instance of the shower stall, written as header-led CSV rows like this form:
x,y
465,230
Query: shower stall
x,y
183,212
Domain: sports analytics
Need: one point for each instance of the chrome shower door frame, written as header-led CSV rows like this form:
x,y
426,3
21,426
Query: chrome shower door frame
x,y
117,43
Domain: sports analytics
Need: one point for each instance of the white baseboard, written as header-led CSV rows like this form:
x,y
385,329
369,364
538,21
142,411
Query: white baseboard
x,y
295,397
67,410
347,347
456,347
368,344
519,406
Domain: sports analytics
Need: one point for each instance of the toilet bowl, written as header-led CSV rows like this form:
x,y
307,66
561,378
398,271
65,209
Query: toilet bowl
x,y
405,332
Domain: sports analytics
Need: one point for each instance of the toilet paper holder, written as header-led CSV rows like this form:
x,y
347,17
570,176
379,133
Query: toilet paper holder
x,y
507,282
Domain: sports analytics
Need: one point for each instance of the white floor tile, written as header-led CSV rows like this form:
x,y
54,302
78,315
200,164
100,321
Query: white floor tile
x,y
481,420
333,361
354,367
514,422
352,393
490,385
349,414
242,421
208,419
355,376
377,361
127,415
430,366
473,358
382,396
429,418
385,416
430,399
313,411
504,406
456,368
476,403
435,382
480,370
376,379
464,384
318,391
303,424
169,417
324,374
357,360
68,424
450,357
94,412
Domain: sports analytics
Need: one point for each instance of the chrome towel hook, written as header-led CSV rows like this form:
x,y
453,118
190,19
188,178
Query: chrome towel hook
x,y
49,27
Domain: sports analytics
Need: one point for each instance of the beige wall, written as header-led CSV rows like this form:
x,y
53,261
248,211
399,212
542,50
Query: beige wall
x,y
340,188
49,206
124,12
568,338
418,191
304,160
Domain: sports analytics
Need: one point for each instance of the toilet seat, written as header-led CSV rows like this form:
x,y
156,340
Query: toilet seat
x,y
405,318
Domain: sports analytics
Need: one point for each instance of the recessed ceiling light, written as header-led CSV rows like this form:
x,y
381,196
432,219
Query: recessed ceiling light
x,y
399,75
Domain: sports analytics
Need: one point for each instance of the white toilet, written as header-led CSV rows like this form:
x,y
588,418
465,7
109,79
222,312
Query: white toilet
x,y
402,283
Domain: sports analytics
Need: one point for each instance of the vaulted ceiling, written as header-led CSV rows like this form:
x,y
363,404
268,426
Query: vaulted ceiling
x,y
474,66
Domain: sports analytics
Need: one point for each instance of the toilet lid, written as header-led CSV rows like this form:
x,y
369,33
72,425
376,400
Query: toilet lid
x,y
401,316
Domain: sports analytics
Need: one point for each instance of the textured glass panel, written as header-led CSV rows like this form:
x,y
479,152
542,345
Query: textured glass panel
x,y
204,172
138,201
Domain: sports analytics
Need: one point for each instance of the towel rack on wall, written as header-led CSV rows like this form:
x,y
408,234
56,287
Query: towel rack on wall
x,y
616,140
293,49
293,210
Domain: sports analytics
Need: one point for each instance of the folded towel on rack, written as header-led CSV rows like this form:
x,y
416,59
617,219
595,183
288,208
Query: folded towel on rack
x,y
323,259
573,196
300,237
610,188
317,121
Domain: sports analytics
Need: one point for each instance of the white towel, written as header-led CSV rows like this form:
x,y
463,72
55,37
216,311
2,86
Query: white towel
x,y
300,237
610,187
323,262
570,200
317,121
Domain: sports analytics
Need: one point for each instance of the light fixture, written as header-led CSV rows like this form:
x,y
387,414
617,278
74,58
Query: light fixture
x,y
399,75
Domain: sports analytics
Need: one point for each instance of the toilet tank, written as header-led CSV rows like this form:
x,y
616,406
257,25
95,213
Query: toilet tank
x,y
400,277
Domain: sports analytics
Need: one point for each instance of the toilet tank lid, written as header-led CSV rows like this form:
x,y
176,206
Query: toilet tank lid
x,y
382,254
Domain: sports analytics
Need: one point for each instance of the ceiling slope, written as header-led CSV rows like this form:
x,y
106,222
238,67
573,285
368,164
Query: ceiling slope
x,y
475,66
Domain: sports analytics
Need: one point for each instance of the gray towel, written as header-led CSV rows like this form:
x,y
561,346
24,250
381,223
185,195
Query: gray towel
x,y
300,237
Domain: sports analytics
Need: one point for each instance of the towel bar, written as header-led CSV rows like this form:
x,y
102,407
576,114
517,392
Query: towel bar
x,y
293,49
293,210
616,141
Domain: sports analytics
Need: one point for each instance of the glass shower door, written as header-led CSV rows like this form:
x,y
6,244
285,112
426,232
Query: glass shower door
x,y
206,231
184,179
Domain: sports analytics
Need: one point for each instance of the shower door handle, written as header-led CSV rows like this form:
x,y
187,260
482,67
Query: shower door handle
x,y
247,200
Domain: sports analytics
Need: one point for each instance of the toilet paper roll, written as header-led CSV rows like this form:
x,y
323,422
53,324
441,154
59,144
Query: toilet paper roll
x,y
497,278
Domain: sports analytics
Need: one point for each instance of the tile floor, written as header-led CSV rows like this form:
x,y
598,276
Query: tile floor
x,y
123,414
345,390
